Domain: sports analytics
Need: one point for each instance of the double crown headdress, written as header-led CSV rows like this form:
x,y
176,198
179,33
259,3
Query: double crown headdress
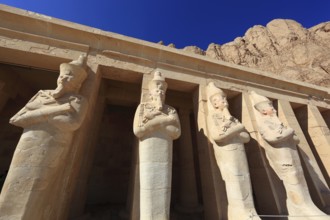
x,y
157,78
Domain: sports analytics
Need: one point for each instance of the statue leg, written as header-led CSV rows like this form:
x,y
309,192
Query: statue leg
x,y
155,159
299,201
234,169
285,161
34,177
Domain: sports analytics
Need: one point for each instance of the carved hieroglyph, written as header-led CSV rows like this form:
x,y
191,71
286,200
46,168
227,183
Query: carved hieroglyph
x,y
281,152
49,120
156,125
228,136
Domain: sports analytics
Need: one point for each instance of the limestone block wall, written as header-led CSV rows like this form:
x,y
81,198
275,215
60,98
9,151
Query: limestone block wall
x,y
101,173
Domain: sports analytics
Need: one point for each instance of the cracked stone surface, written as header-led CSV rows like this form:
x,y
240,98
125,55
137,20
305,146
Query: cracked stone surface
x,y
283,48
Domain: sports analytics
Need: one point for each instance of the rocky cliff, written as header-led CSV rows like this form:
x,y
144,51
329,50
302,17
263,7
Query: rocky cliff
x,y
283,47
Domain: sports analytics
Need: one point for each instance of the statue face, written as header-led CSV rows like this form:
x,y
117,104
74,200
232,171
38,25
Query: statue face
x,y
219,102
157,92
267,108
65,83
65,78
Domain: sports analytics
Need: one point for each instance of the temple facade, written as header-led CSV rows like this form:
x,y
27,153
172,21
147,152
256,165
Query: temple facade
x,y
87,133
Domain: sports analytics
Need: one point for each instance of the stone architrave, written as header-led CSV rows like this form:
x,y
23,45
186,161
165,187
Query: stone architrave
x,y
49,119
156,125
228,136
281,152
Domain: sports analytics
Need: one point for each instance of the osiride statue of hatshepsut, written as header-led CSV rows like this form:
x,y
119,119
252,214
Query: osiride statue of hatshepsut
x,y
283,157
49,120
156,125
228,136
86,132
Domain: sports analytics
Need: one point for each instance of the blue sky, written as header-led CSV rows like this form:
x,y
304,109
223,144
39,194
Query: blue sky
x,y
181,22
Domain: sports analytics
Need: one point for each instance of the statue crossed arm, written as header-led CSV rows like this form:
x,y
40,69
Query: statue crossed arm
x,y
38,166
65,113
156,125
222,129
148,119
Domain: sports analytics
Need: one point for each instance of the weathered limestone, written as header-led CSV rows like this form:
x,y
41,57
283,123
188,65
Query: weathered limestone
x,y
228,136
283,157
49,120
156,125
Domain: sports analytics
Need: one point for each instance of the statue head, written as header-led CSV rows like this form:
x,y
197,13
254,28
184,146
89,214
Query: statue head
x,y
71,77
216,96
262,104
157,88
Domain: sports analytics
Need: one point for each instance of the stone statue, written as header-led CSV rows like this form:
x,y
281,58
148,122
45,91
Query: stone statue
x,y
49,120
156,125
228,136
283,157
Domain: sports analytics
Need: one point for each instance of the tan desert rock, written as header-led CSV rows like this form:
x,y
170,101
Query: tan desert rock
x,y
194,49
284,48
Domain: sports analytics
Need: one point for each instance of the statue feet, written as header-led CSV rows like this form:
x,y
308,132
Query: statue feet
x,y
306,211
238,213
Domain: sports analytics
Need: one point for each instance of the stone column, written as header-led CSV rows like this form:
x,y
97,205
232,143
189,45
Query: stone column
x,y
156,125
320,135
287,115
82,161
188,198
271,192
326,117
228,136
213,187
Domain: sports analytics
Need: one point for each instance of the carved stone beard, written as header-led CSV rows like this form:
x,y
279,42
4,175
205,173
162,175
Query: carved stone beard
x,y
59,91
158,102
226,112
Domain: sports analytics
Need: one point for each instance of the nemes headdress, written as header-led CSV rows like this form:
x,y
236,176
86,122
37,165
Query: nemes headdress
x,y
258,99
76,68
212,90
157,78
